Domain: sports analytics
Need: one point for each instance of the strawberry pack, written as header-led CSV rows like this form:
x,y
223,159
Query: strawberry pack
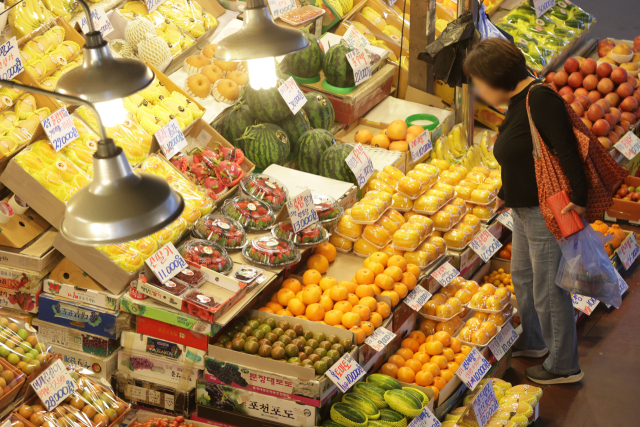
x,y
219,229
271,252
309,236
251,213
266,188
204,253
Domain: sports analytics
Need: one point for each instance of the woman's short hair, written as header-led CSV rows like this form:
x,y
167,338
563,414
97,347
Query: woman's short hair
x,y
497,62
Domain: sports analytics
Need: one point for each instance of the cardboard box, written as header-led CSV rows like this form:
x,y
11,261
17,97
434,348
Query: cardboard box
x,y
165,331
625,209
488,116
100,367
23,229
17,300
161,349
67,272
36,256
97,298
75,340
23,280
154,396
183,376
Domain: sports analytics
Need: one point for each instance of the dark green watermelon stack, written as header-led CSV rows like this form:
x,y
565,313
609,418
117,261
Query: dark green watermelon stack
x,y
319,110
267,104
337,69
307,62
311,147
234,124
333,165
294,126
266,144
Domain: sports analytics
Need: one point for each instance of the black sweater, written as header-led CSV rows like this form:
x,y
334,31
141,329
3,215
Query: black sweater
x,y
514,147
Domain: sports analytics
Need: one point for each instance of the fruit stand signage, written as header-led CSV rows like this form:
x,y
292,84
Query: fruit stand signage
x,y
542,6
54,385
420,146
503,341
584,304
292,95
360,64
506,219
485,404
10,60
171,139
379,339
622,286
166,263
473,368
278,7
354,38
425,419
628,251
302,211
345,372
360,164
60,129
100,22
629,145
445,274
485,245
417,298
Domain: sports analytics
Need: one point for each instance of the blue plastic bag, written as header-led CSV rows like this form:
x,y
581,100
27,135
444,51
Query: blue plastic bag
x,y
586,269
486,27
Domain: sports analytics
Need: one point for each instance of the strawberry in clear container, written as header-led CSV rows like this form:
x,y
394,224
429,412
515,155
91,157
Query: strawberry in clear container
x,y
250,213
310,235
219,229
265,188
271,252
206,254
328,210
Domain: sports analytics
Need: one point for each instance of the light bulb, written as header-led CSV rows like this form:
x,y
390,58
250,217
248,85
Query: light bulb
x,y
262,73
112,112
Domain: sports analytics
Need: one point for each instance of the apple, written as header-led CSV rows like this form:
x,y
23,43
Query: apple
x,y
604,50
569,98
588,123
581,91
604,104
615,113
575,79
624,90
549,77
578,108
571,65
595,112
607,42
629,104
632,81
612,98
610,119
560,79
594,96
607,145
565,90
636,95
588,66
618,130
590,82
625,125
601,127
604,70
612,137
619,75
636,42
627,117
622,191
582,99
605,85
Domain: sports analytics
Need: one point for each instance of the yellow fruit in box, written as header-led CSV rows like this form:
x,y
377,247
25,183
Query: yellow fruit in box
x,y
348,228
495,181
453,175
455,211
388,224
480,196
439,243
495,174
458,202
362,247
376,234
406,239
401,202
426,203
395,173
409,186
379,195
471,220
482,212
395,216
468,183
428,169
419,258
421,229
365,212
424,221
361,28
459,168
408,215
437,193
455,238
391,250
478,300
386,178
464,192
441,164
341,242
377,185
491,188
449,190
476,177
378,203
471,229
420,176
430,249
441,220
375,18
481,169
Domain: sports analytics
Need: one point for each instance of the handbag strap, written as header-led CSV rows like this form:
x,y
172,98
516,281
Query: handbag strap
x,y
534,131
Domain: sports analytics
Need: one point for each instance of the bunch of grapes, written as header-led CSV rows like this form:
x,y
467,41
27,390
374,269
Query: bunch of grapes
x,y
140,363
228,374
94,316
218,398
94,343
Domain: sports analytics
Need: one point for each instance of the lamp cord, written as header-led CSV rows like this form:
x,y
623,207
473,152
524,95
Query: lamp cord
x,y
87,11
404,11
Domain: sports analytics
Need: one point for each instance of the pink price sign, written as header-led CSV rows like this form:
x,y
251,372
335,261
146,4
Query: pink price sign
x,y
629,145
420,146
166,262
628,251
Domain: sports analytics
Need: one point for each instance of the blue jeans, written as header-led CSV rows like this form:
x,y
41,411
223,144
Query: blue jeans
x,y
545,309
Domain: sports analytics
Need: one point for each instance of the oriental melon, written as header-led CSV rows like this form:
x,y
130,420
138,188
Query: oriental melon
x,y
337,69
392,419
267,104
234,124
295,126
266,144
373,392
348,415
405,403
363,403
385,382
311,145
319,111
307,62
333,165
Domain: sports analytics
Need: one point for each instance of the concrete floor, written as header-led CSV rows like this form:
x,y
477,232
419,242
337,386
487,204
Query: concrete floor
x,y
618,19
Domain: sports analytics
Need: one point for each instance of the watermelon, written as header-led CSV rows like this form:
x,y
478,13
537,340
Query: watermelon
x,y
234,124
307,62
337,69
333,165
294,126
311,145
319,110
267,104
266,144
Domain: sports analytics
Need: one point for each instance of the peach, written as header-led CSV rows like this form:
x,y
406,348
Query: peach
x,y
610,119
578,108
588,123
571,65
625,125
615,113
549,77
565,90
581,91
595,112
604,104
560,79
619,75
604,70
590,82
605,86
613,137
627,117
624,90
588,66
575,79
594,96
582,99
618,130
629,104
632,81
605,142
636,95
612,98
601,127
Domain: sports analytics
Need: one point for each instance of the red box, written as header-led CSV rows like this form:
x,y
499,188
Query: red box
x,y
168,332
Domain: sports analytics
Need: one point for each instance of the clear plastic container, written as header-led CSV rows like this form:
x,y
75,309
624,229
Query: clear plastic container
x,y
328,210
428,169
406,240
301,15
464,192
206,254
388,224
456,238
402,203
421,219
410,187
190,277
393,171
341,244
377,235
348,229
482,197
251,213
423,230
378,195
219,229
425,179
265,188
476,177
449,190
442,221
174,287
271,252
365,214
363,248
456,211
395,216
428,205
200,298
309,236
419,258
439,243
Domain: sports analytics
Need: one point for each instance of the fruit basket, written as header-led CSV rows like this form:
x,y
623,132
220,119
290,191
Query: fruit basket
x,y
309,236
271,252
265,188
206,254
328,210
251,213
219,229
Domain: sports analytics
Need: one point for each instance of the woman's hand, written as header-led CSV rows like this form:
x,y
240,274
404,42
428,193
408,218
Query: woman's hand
x,y
501,207
573,207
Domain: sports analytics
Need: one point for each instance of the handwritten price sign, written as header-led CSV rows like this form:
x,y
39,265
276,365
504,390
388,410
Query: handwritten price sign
x,y
360,164
360,64
302,211
622,286
485,245
153,4
60,129
166,263
345,372
292,95
417,298
542,6
420,146
474,367
629,145
628,251
584,304
278,7
54,385
100,22
425,419
10,61
379,339
171,139
354,38
503,341
506,219
445,274
485,404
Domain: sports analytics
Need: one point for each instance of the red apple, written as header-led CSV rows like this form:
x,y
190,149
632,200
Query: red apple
x,y
565,90
605,86
578,108
624,90
619,75
588,66
632,81
595,112
618,130
613,99
590,82
560,79
610,119
588,123
594,96
607,145
603,50
569,98
606,42
636,95
601,128
613,137
629,104
549,77
636,113
575,78
615,113
636,42
625,125
604,104
627,117
604,70
622,191
581,91
583,100
571,65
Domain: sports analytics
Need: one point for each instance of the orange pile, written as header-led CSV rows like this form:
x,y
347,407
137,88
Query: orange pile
x,y
483,326
506,252
395,138
499,279
451,299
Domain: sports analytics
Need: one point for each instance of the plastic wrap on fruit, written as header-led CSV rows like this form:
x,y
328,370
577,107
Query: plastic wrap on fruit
x,y
341,243
272,252
21,347
363,212
219,229
378,195
377,185
251,213
307,236
349,229
364,248
266,188
327,208
189,16
80,151
206,254
426,222
376,235
395,216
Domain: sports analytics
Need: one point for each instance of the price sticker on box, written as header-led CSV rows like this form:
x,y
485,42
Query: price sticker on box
x,y
379,339
10,60
485,404
302,211
171,139
345,372
420,145
445,274
425,419
279,7
360,164
503,341
629,145
417,298
485,245
292,95
506,219
360,63
54,385
628,251
473,368
153,4
60,129
584,304
354,38
543,6
100,22
167,262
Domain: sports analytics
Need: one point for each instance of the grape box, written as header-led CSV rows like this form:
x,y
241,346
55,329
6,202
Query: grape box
x,y
142,366
163,349
100,367
75,340
154,396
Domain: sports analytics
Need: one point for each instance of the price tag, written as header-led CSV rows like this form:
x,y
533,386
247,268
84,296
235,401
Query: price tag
x,y
292,95
278,7
54,385
622,284
629,145
360,64
171,139
10,61
485,245
445,274
506,219
302,211
100,22
584,304
485,404
354,38
345,372
420,145
474,367
379,339
166,263
628,251
360,164
60,129
542,6
503,341
425,419
153,4
417,298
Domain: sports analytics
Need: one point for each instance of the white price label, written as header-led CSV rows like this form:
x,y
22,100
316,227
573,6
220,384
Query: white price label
x,y
622,286
628,251
584,304
420,145
171,139
360,63
169,401
278,7
54,385
166,263
425,419
506,219
154,397
345,372
629,145
292,95
474,367
354,38
153,4
417,298
542,6
10,61
485,245
360,164
100,22
445,274
503,341
485,404
302,211
379,339
60,129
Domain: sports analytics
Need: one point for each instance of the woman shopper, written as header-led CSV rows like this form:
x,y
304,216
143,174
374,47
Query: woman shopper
x,y
499,74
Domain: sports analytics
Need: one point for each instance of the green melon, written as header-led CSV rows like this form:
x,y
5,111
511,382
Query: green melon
x,y
392,419
337,69
307,62
234,124
319,110
266,144
330,423
348,416
405,403
311,145
295,126
385,382
333,165
373,392
418,394
363,403
267,104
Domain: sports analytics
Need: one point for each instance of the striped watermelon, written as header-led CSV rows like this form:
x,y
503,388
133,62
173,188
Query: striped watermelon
x,y
319,110
311,146
267,104
307,62
294,126
234,124
337,69
333,165
266,144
